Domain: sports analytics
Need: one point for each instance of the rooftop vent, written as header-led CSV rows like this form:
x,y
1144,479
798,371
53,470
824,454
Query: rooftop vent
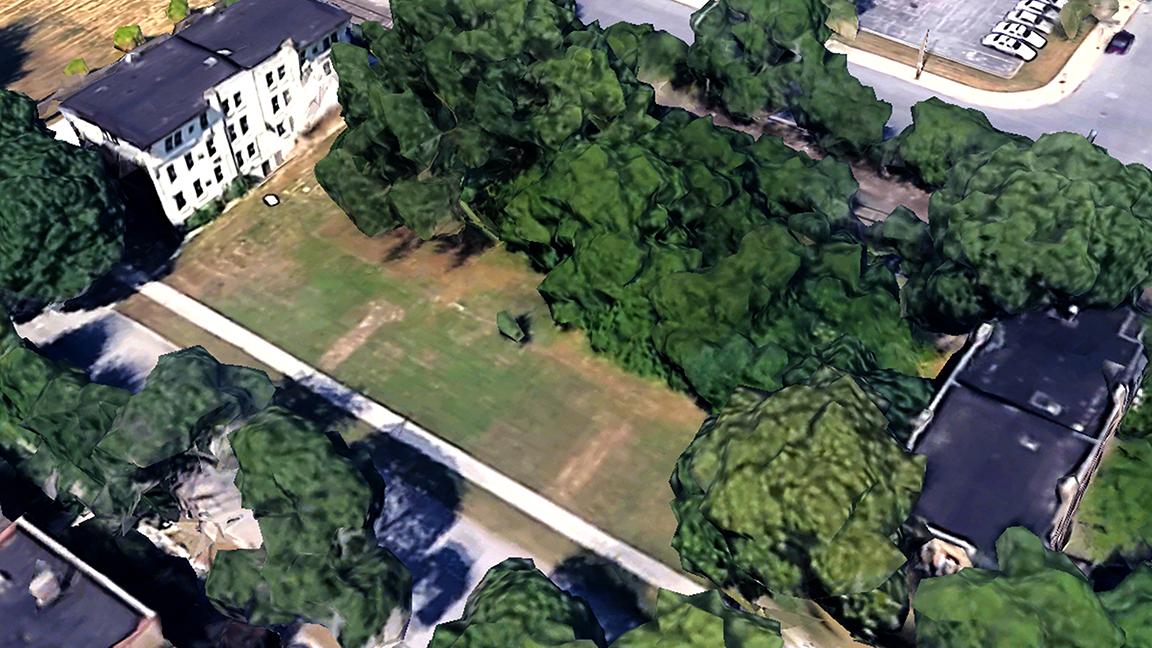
x,y
211,60
131,57
1043,401
1031,444
45,586
224,52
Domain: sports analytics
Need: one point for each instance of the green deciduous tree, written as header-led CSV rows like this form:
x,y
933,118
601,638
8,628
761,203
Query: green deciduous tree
x,y
1130,606
797,493
76,67
1114,516
319,561
1072,17
755,55
701,621
1036,598
177,10
60,215
127,38
516,606
943,135
654,55
1057,222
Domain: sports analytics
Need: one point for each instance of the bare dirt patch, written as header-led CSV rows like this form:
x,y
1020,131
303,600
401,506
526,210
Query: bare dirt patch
x,y
579,470
379,314
39,37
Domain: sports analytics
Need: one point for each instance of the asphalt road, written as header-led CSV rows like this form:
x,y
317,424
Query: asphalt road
x,y
447,553
1116,100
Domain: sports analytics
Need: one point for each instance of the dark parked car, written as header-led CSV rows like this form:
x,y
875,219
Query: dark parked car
x,y
1120,43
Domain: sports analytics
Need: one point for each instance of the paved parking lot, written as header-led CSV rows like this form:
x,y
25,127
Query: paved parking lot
x,y
956,25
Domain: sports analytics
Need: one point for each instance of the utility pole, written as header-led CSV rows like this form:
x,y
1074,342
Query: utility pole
x,y
922,56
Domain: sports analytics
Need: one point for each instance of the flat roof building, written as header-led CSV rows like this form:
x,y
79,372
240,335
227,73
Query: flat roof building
x,y
49,597
1017,430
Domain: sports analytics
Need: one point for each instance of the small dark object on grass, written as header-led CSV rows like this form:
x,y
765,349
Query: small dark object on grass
x,y
513,328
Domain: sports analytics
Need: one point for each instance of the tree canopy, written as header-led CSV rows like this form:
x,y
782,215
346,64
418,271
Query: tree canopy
x,y
60,215
701,621
319,561
1037,597
1057,222
1130,606
756,55
943,135
516,606
798,493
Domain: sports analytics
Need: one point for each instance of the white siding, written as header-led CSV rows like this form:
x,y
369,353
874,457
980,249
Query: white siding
x,y
245,134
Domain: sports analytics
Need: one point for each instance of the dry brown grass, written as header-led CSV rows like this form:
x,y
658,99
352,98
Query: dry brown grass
x,y
43,35
1032,75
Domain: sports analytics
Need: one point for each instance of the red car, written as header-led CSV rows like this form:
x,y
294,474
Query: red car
x,y
1120,43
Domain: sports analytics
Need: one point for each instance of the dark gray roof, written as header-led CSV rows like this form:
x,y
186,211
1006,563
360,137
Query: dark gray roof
x,y
85,614
144,99
253,29
992,466
1039,359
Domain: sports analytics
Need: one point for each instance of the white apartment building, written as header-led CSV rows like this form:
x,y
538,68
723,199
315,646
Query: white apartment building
x,y
224,97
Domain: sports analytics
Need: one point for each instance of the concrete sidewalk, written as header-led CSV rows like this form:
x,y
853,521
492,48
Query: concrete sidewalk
x,y
382,418
795,628
1077,70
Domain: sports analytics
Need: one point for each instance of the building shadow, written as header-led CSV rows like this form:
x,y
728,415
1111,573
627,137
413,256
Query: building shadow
x,y
440,581
13,52
619,599
863,6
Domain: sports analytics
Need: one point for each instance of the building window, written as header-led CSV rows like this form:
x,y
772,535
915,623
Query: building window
x,y
188,159
236,99
204,121
275,104
287,97
211,146
252,149
224,106
280,130
231,133
280,72
180,202
327,67
171,173
199,188
268,79
174,140
244,124
239,158
218,173
191,128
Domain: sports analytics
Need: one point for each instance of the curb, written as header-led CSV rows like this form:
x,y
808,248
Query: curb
x,y
1076,70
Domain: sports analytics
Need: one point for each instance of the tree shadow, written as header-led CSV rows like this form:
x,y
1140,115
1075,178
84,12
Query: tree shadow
x,y
13,52
863,6
421,499
619,599
151,244
407,244
85,347
468,243
440,581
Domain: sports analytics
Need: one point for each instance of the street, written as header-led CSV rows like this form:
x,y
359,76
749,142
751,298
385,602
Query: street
x,y
1114,100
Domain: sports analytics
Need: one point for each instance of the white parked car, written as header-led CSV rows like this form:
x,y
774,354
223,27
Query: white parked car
x,y
1021,33
1039,7
1058,4
1031,19
1009,45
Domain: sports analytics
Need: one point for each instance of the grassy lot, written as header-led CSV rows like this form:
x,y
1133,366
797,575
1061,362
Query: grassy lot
x,y
413,325
1031,75
39,37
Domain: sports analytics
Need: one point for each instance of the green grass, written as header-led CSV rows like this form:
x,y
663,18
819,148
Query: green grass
x,y
301,276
